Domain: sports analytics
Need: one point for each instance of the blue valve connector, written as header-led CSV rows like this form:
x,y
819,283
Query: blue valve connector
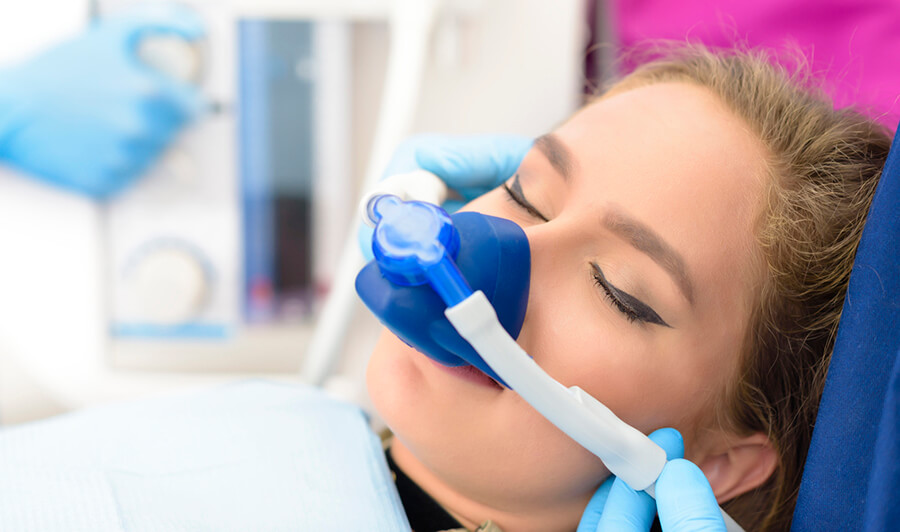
x,y
416,243
427,261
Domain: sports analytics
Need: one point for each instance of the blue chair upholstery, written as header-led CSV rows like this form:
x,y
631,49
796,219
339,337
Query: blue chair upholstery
x,y
853,467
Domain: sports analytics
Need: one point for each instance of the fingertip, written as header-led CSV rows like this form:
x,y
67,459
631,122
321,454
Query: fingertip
x,y
599,497
515,145
436,158
193,101
404,157
590,518
627,509
185,98
451,206
680,470
689,501
364,239
514,149
469,161
670,440
460,160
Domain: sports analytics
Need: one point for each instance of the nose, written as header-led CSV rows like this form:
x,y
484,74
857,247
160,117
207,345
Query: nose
x,y
559,252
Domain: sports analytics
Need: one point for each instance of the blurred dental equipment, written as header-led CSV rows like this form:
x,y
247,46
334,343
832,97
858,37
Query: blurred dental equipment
x,y
214,259
217,261
416,247
179,299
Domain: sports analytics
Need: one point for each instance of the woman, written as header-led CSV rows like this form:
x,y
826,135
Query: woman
x,y
692,232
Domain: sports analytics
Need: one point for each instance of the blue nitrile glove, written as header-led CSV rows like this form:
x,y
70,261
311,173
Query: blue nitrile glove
x,y
469,164
684,498
88,115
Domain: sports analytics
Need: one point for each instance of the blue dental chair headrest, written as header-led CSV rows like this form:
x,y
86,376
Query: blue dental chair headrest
x,y
852,471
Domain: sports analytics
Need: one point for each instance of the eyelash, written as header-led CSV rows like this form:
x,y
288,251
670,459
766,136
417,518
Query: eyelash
x,y
629,312
522,203
641,313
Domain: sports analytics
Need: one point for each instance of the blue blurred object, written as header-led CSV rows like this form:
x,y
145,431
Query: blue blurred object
x,y
470,165
616,507
88,115
852,471
493,257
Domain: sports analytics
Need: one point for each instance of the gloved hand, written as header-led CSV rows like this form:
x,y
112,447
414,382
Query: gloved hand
x,y
470,165
684,498
88,115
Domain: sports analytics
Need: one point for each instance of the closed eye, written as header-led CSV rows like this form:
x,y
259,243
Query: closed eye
x,y
633,308
514,192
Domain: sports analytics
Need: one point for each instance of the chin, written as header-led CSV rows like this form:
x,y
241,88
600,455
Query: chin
x,y
431,412
423,404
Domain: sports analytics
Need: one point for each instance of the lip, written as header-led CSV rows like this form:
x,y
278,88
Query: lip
x,y
468,373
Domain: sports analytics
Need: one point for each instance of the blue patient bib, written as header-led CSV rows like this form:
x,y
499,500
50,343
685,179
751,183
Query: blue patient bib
x,y
249,456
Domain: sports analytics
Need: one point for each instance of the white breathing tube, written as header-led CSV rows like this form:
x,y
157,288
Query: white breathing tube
x,y
628,453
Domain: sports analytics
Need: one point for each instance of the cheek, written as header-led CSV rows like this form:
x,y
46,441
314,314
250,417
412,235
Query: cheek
x,y
635,382
498,448
650,379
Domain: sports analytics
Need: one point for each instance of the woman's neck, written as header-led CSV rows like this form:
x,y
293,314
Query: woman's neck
x,y
471,513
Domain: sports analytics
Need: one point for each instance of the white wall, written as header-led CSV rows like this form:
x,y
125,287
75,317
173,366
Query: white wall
x,y
516,66
29,26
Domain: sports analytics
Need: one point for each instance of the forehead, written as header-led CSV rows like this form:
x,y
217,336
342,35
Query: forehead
x,y
676,158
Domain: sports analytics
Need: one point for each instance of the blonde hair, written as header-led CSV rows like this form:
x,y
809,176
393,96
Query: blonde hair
x,y
824,166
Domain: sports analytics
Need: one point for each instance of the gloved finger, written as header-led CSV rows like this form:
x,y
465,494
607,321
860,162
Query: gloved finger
x,y
364,238
591,516
403,160
671,442
130,132
123,165
471,165
470,193
157,18
474,161
626,510
453,205
629,510
182,101
689,503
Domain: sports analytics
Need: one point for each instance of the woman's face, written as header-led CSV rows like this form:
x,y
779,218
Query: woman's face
x,y
640,212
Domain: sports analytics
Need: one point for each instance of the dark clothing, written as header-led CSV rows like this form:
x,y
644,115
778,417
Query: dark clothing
x,y
423,512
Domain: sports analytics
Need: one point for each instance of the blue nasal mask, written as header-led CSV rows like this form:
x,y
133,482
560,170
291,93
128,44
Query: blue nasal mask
x,y
456,288
414,241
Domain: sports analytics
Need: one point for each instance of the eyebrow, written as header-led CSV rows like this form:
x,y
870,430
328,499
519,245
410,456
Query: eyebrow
x,y
557,153
647,241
